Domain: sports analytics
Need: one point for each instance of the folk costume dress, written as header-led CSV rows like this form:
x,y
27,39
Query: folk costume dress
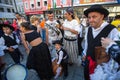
x,y
70,40
39,57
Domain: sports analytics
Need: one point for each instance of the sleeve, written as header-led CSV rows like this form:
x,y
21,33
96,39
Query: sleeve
x,y
114,52
107,48
17,40
85,43
76,26
114,34
2,44
60,57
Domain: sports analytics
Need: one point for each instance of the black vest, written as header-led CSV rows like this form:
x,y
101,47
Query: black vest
x,y
94,42
9,41
64,53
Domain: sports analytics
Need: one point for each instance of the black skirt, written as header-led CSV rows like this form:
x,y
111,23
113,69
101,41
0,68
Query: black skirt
x,y
39,59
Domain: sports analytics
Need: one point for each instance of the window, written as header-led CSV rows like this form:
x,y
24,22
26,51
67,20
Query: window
x,y
11,2
1,10
45,3
38,4
26,5
8,10
13,10
6,1
32,5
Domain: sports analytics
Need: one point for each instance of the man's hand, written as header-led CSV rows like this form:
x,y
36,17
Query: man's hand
x,y
106,41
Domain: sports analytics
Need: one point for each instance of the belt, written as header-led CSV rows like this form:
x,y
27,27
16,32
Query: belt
x,y
69,38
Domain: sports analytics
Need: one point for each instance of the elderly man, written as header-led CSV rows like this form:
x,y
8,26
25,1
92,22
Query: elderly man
x,y
98,28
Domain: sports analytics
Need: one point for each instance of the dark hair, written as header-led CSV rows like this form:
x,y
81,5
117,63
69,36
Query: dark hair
x,y
117,17
18,14
70,11
50,12
26,25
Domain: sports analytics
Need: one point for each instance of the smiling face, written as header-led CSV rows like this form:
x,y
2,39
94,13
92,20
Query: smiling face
x,y
57,46
51,16
95,19
67,15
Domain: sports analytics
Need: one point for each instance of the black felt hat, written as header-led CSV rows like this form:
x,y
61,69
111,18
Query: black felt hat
x,y
97,8
58,42
6,25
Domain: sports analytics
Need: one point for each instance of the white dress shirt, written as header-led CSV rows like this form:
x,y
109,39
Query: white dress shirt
x,y
60,56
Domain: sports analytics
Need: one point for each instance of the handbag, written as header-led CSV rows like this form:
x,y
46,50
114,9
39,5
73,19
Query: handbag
x,y
100,55
56,69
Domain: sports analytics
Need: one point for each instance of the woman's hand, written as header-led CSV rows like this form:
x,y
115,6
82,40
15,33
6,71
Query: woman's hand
x,y
27,51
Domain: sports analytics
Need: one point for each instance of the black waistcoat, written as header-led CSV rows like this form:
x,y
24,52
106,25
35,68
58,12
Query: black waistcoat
x,y
9,41
64,53
93,42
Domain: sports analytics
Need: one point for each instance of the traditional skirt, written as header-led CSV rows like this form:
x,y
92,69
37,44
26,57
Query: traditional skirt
x,y
39,59
71,46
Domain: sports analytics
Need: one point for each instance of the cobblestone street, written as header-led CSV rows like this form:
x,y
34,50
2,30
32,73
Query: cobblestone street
x,y
75,72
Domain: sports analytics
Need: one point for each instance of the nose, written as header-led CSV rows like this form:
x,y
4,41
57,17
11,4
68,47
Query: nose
x,y
90,19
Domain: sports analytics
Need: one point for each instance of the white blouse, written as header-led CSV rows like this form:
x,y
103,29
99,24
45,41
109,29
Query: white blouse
x,y
72,25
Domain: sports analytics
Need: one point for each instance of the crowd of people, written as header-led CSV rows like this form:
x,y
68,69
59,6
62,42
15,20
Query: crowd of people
x,y
64,41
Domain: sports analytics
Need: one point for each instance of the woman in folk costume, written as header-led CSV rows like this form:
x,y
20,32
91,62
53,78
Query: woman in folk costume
x,y
71,29
39,56
98,28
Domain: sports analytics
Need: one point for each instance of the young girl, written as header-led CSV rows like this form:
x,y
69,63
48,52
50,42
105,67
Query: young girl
x,y
62,57
39,56
11,41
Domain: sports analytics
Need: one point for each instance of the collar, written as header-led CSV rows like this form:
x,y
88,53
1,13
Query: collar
x,y
9,35
101,27
58,50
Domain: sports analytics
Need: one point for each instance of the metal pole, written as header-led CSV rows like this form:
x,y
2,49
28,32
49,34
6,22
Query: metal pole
x,y
72,4
15,6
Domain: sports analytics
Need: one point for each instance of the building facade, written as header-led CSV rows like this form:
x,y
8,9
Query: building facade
x,y
20,7
7,9
40,7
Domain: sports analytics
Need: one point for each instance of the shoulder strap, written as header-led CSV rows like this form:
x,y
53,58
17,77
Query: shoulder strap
x,y
105,32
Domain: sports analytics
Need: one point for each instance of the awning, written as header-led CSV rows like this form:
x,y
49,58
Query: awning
x,y
35,12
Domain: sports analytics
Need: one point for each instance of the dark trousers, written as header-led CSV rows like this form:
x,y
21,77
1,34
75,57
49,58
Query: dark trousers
x,y
64,65
86,72
15,55
0,75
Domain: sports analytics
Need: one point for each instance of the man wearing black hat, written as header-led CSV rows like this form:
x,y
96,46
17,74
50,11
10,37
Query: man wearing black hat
x,y
98,28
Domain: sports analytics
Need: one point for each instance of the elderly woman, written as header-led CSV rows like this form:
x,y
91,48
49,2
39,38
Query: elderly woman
x,y
71,29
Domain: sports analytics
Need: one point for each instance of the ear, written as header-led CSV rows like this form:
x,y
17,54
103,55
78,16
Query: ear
x,y
103,16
